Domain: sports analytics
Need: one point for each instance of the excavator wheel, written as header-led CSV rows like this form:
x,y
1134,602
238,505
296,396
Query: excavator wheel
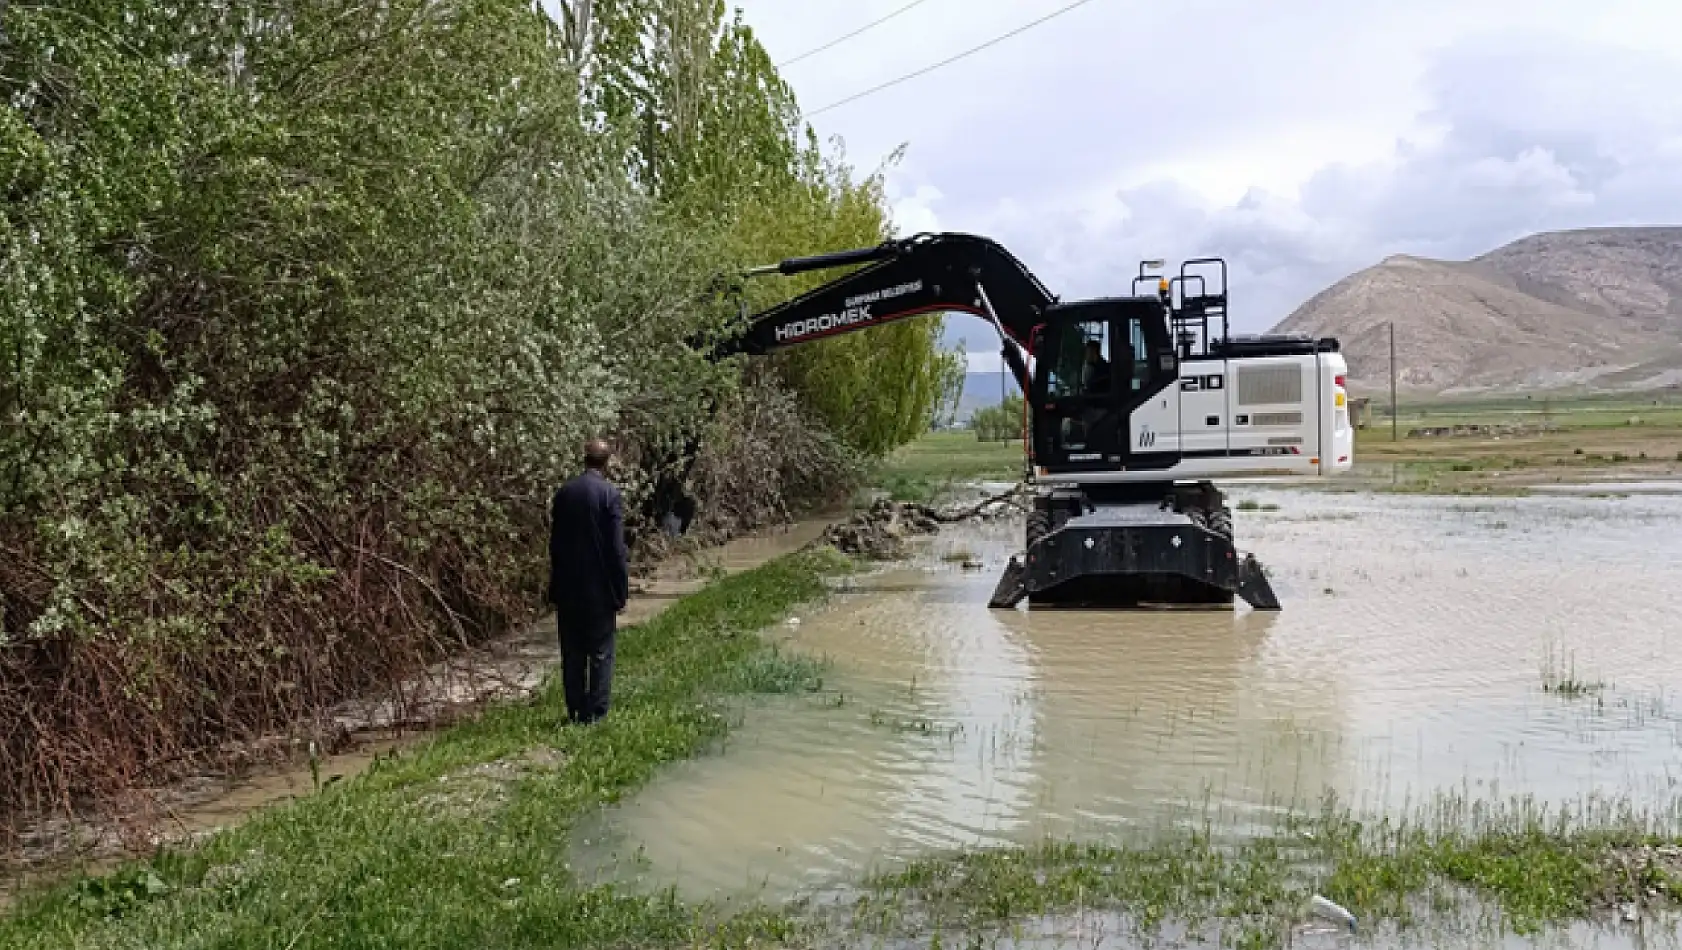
x,y
1220,521
1039,525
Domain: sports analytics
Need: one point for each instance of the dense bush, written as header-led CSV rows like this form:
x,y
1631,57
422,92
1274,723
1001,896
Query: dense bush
x,y
306,306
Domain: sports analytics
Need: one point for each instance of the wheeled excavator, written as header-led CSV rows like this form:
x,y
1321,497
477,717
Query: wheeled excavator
x,y
1133,404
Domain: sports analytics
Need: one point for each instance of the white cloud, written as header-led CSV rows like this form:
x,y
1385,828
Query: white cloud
x,y
1299,139
914,213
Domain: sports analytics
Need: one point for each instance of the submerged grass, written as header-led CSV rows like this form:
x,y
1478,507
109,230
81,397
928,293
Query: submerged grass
x,y
1243,890
1559,677
1536,868
462,842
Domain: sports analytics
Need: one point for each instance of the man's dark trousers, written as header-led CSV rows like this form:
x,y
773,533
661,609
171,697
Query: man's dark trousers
x,y
588,584
586,663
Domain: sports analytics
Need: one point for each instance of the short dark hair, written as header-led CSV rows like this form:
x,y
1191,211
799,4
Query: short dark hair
x,y
596,453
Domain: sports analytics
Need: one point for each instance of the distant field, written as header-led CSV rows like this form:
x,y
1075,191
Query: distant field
x,y
1574,440
1576,412
1559,441
940,461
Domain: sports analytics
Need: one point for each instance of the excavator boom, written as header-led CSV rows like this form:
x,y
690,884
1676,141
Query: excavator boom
x,y
926,273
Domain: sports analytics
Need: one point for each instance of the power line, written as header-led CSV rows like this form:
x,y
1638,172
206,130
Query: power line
x,y
842,39
951,59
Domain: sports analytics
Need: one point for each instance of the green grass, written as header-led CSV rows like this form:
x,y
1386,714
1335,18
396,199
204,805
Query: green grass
x,y
934,464
1538,869
462,842
1578,411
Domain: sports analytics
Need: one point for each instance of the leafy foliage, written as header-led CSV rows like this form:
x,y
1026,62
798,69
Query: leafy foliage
x,y
306,306
1000,423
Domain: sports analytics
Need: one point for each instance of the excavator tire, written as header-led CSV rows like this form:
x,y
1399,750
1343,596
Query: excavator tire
x,y
1039,525
1220,522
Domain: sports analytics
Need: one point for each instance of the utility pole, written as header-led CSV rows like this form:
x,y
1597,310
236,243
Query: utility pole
x,y
1393,418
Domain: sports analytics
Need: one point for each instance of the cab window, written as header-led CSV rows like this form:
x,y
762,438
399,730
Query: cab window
x,y
1139,355
1081,361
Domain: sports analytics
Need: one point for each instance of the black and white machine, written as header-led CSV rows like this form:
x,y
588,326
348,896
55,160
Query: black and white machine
x,y
1134,403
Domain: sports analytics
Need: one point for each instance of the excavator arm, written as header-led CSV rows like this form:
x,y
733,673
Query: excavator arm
x,y
926,273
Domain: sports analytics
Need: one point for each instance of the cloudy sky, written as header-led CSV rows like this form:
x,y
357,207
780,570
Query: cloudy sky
x,y
1300,139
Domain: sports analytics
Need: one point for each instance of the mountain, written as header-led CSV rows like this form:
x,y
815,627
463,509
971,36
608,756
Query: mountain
x,y
1597,308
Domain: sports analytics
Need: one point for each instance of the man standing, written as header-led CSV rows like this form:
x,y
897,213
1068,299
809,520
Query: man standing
x,y
588,582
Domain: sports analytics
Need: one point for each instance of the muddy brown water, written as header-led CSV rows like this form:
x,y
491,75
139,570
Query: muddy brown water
x,y
1417,636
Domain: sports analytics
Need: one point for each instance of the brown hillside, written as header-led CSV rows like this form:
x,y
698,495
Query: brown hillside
x,y
1635,273
1592,309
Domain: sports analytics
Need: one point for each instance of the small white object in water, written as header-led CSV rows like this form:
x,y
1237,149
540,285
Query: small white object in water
x,y
1325,908
794,621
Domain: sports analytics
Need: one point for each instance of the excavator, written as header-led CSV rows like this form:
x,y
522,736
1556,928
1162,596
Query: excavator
x,y
1133,405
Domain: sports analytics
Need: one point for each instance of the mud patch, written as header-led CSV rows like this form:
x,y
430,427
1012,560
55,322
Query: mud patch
x,y
884,531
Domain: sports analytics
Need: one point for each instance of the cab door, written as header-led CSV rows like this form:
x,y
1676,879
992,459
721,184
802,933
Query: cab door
x,y
1156,427
1079,422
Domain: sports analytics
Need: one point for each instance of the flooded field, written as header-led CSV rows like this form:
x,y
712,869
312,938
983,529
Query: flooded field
x,y
1476,648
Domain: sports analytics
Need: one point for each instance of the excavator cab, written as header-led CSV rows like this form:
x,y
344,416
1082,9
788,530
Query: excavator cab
x,y
1095,364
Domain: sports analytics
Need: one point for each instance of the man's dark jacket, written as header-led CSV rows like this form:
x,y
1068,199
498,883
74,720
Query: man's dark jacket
x,y
588,575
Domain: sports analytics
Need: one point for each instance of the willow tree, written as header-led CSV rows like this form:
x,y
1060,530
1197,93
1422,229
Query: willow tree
x,y
308,307
713,131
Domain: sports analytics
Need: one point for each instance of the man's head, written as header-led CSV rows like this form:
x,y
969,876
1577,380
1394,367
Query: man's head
x,y
1094,351
596,454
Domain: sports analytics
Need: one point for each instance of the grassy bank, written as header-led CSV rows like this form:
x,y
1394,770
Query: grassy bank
x,y
463,841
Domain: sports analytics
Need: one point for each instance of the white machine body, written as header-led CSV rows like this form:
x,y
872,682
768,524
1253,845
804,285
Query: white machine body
x,y
1242,417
